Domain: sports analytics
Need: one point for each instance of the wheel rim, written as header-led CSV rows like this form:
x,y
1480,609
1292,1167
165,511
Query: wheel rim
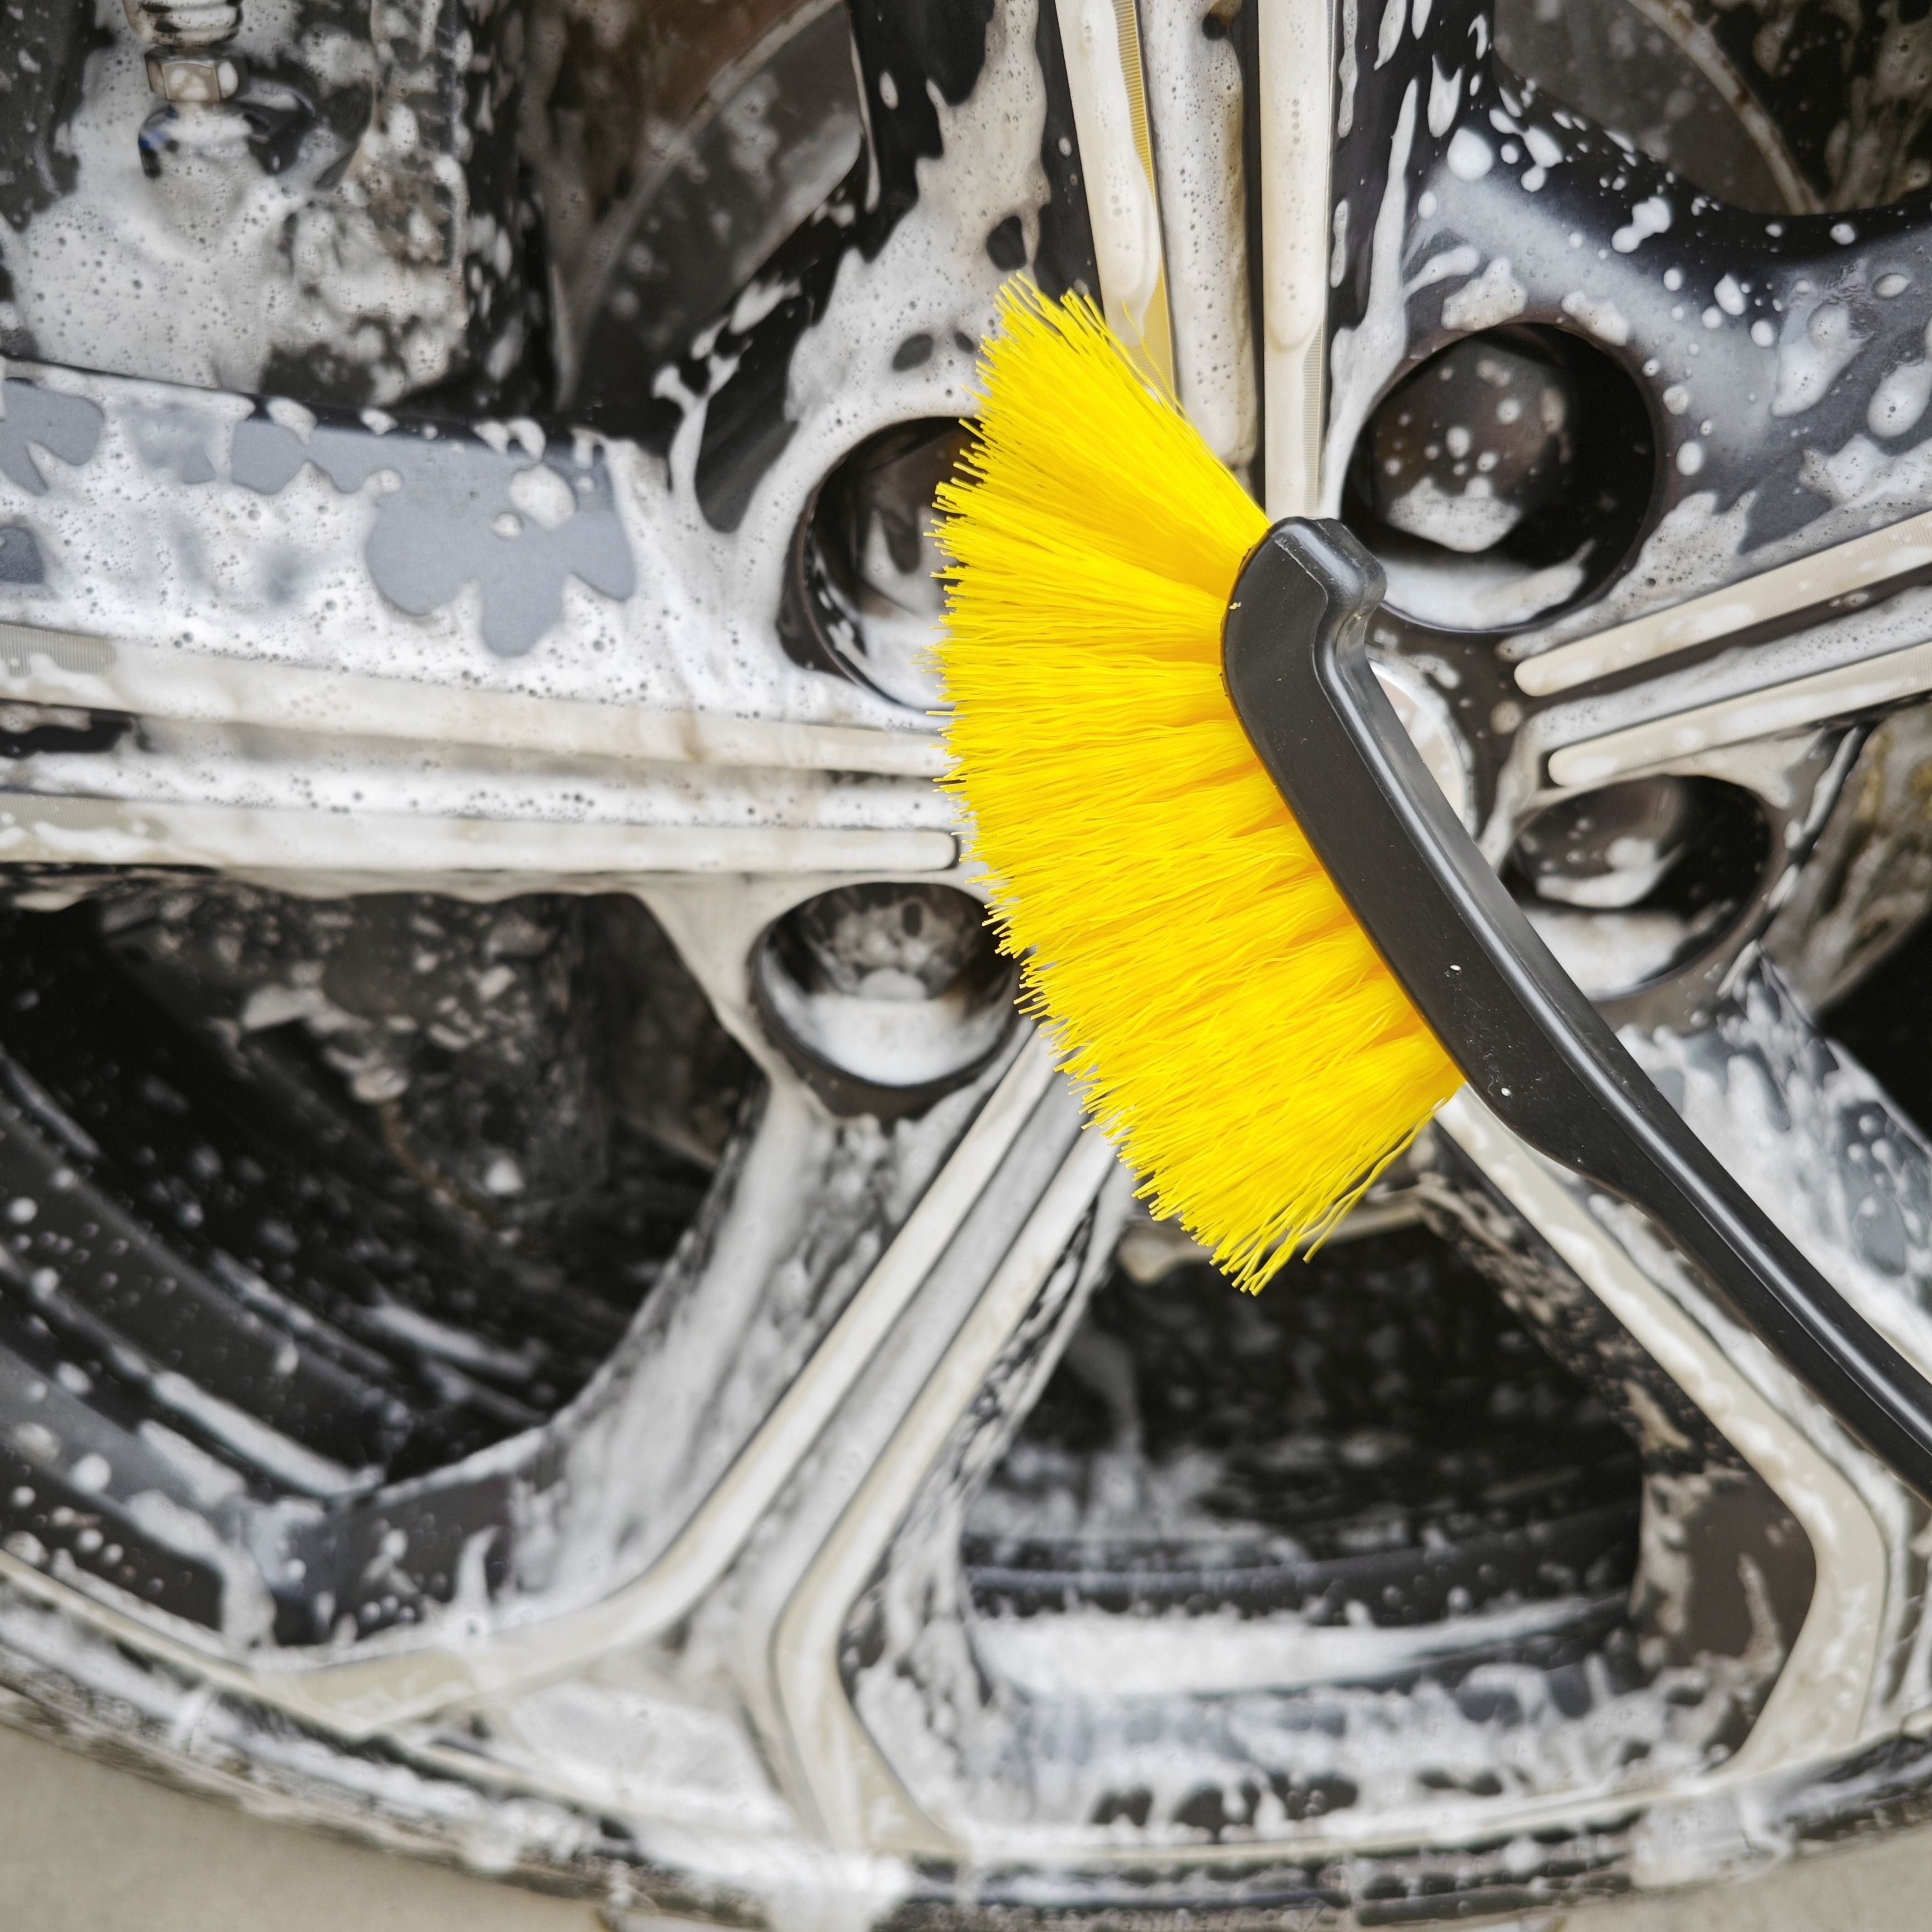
x,y
549,664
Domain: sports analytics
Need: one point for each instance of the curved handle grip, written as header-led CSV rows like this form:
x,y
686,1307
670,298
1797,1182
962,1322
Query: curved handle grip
x,y
1295,652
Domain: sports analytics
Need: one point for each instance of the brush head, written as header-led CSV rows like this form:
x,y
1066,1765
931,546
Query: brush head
x,y
1233,1030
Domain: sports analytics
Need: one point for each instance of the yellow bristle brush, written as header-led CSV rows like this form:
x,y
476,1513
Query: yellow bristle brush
x,y
1095,545
1268,950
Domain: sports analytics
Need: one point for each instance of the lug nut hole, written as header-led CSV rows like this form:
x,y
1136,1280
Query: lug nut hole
x,y
861,597
885,996
1631,884
1508,476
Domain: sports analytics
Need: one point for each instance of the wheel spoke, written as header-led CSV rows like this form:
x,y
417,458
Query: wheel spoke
x,y
1295,58
65,671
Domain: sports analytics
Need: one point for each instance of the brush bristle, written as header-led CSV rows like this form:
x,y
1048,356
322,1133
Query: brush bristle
x,y
1236,1034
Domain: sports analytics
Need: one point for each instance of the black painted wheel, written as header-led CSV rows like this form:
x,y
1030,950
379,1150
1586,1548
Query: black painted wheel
x,y
551,1310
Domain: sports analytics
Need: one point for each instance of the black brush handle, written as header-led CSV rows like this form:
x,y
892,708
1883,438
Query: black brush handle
x,y
1295,651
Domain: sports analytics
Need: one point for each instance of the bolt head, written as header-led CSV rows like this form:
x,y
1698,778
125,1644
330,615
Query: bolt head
x,y
194,80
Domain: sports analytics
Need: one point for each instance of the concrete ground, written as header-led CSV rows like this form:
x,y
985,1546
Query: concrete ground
x,y
83,1849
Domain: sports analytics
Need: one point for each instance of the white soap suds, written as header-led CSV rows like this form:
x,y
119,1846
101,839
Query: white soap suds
x,y
1817,344
1449,265
1362,359
1389,36
1601,317
1470,156
1194,87
236,266
1490,299
1607,953
1119,198
1346,71
1475,520
1649,217
1899,399
1478,593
